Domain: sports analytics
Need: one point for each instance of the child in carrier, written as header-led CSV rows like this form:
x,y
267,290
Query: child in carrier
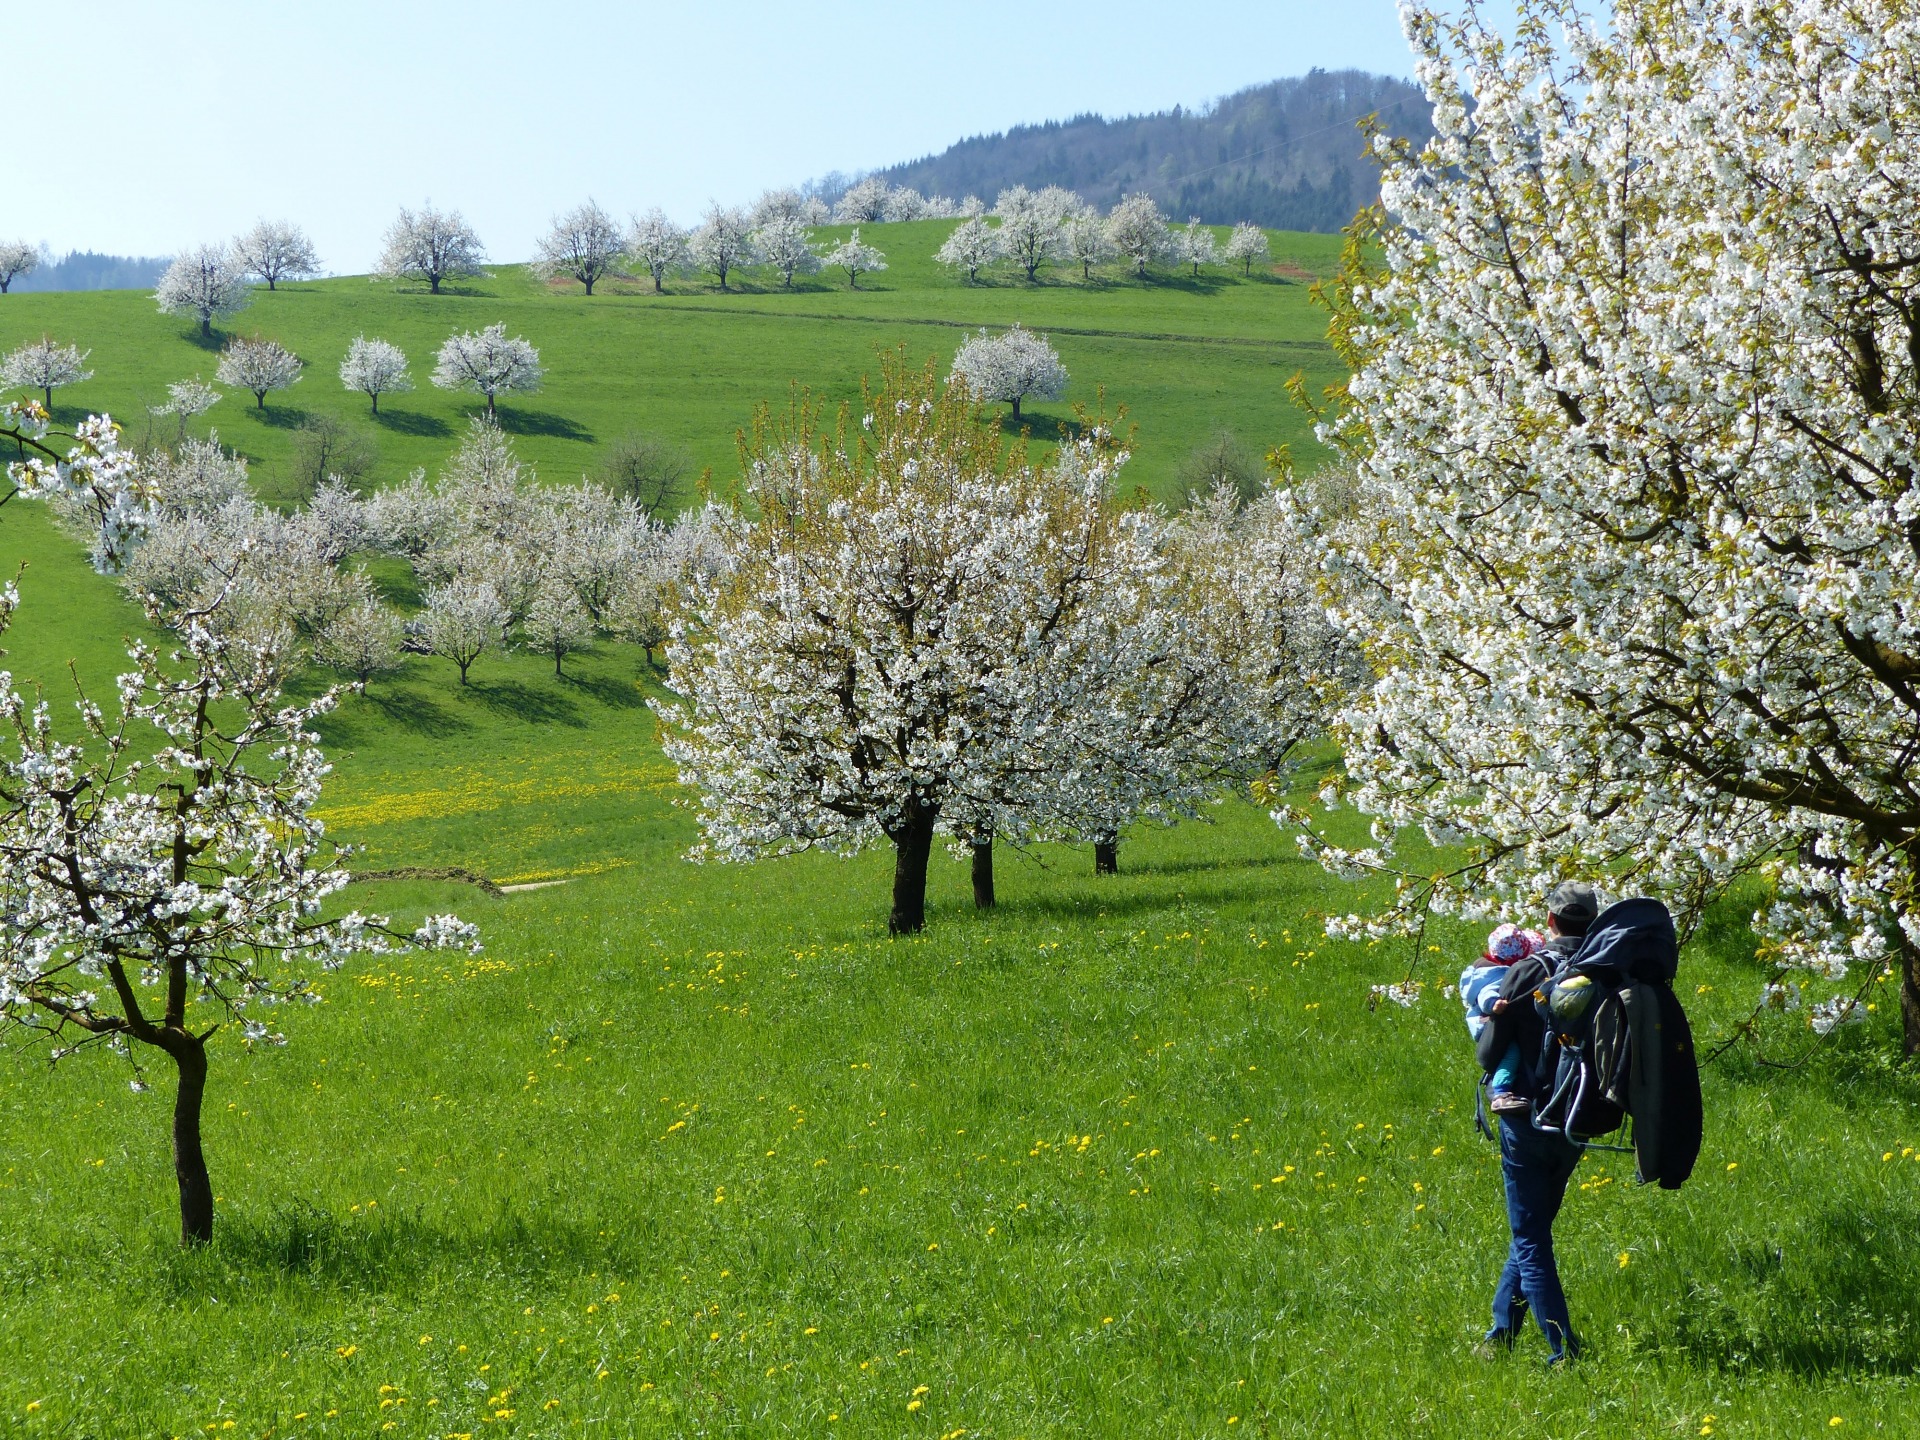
x,y
1480,989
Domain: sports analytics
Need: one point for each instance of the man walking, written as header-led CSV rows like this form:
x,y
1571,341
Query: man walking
x,y
1536,1165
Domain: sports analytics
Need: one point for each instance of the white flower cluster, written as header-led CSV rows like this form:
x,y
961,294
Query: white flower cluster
x,y
98,482
1404,993
1634,548
1829,1015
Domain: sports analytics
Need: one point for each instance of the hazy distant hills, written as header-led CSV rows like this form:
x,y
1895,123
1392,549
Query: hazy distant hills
x,y
1286,154
84,270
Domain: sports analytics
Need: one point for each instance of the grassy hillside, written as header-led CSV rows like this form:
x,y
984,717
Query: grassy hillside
x,y
1186,356
699,1151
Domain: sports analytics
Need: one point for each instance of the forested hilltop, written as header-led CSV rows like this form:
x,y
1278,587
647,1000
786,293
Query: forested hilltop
x,y
86,270
1285,154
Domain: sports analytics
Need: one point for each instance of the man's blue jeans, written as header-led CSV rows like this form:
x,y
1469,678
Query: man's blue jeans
x,y
1537,1167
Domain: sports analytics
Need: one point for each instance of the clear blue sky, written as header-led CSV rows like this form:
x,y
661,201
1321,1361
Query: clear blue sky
x,y
146,125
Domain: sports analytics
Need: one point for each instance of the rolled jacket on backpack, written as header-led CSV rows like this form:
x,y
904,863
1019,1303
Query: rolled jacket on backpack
x,y
1646,1084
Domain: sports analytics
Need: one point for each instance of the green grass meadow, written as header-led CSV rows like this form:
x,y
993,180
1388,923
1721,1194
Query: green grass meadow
x,y
1186,356
697,1151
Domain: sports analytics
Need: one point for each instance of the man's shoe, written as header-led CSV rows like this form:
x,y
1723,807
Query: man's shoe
x,y
1508,1103
1494,1345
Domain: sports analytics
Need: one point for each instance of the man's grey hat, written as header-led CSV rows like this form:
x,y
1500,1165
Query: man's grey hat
x,y
1575,900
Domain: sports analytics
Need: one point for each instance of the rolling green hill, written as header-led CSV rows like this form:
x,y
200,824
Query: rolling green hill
x,y
1186,356
699,1151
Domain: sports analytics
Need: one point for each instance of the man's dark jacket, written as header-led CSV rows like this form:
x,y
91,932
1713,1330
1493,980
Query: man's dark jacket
x,y
1666,1104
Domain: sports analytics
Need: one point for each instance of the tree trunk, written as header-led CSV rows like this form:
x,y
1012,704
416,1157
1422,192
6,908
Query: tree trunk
x,y
206,325
556,666
376,402
49,391
260,399
912,843
189,1159
490,405
589,285
463,669
1910,992
983,874
433,284
270,284
1016,409
658,288
1106,857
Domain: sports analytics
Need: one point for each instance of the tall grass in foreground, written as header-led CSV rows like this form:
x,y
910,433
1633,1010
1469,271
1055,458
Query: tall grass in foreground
x,y
698,1151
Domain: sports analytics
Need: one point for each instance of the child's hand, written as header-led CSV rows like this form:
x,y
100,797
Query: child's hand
x,y
1499,1007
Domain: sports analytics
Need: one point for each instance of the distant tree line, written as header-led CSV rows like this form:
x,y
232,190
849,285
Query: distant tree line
x,y
86,270
1287,155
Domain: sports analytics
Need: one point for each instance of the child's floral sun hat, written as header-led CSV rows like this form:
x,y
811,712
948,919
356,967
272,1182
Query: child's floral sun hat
x,y
1509,943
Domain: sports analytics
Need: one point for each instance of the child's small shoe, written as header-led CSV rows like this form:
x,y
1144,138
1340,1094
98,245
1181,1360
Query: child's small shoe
x,y
1505,1102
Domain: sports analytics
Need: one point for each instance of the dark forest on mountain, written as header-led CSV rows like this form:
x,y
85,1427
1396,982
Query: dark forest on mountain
x,y
1288,154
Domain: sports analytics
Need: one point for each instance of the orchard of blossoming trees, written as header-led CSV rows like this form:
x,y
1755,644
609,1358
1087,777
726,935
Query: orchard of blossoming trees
x,y
1026,230
918,630
1029,231
494,551
1636,550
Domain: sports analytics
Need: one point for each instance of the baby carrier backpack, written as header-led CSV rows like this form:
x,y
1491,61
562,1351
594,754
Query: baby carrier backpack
x,y
1617,1043
1606,1038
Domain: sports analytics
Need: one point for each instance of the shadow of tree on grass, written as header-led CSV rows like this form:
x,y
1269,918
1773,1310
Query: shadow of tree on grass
x,y
1051,429
533,704
613,691
302,1242
1838,1292
516,421
411,422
